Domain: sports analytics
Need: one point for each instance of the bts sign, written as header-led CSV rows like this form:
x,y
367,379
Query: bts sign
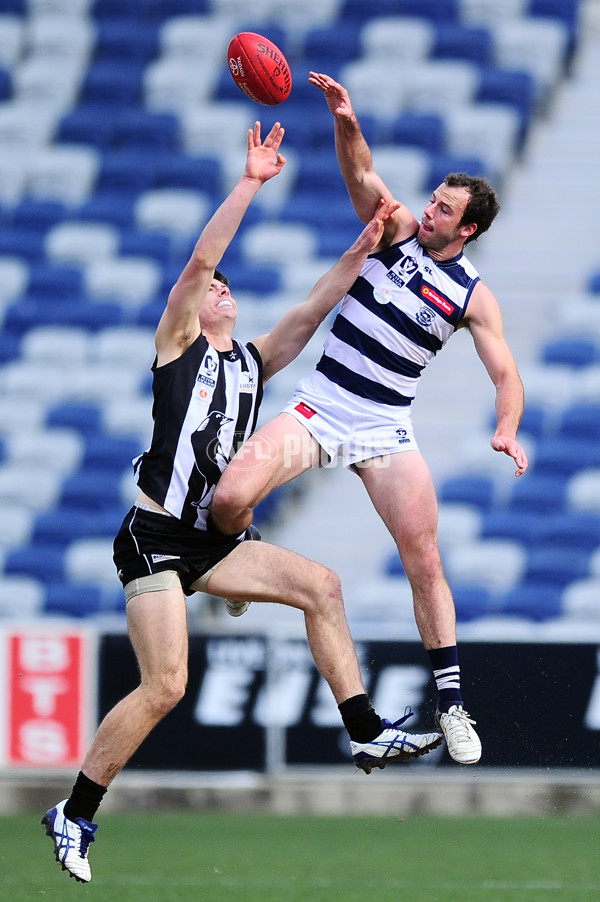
x,y
48,696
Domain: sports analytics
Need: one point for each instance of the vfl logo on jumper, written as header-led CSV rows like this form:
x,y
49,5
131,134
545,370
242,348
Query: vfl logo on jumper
x,y
428,292
399,276
403,437
210,457
209,365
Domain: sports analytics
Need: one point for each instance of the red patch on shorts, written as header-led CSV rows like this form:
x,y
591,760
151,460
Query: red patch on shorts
x,y
305,410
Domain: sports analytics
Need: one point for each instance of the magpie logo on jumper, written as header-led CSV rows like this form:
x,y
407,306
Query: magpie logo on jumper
x,y
403,437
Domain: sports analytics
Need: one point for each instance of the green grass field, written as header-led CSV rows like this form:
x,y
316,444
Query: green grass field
x,y
229,858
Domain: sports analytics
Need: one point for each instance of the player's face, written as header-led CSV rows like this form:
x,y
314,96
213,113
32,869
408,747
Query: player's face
x,y
219,299
439,232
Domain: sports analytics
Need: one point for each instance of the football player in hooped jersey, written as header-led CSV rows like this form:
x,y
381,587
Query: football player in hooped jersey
x,y
207,388
414,291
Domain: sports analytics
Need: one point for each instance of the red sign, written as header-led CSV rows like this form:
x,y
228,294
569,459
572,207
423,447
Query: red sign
x,y
49,697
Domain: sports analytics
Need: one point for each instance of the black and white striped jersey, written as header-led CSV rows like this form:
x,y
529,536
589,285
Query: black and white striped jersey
x,y
205,406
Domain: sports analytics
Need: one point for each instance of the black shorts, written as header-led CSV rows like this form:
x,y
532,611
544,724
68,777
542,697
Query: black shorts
x,y
149,542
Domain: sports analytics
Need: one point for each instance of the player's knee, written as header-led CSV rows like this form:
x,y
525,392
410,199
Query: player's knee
x,y
326,590
167,691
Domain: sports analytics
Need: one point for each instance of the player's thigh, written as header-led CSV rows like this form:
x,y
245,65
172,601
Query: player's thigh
x,y
402,491
276,453
259,571
157,625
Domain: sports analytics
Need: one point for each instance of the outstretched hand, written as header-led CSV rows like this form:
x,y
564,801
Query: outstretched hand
x,y
514,449
337,97
372,233
264,160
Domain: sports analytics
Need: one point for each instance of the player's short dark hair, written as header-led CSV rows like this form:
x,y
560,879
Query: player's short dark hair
x,y
221,278
482,206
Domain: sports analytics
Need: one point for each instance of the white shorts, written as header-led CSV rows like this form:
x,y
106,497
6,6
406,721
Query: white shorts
x,y
345,430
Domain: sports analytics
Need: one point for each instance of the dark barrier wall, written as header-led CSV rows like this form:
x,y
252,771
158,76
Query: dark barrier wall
x,y
254,703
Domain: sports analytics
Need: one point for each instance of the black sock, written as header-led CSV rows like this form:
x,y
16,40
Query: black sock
x,y
360,718
85,799
446,672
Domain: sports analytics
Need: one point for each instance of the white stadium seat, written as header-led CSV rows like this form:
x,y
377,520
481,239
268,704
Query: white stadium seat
x,y
179,211
397,38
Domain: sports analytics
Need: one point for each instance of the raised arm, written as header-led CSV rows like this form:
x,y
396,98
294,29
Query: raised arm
x,y
179,325
485,323
356,162
299,324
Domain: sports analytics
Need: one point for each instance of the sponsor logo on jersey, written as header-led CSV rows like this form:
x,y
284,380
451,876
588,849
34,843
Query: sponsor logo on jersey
x,y
206,380
249,385
305,410
432,295
157,558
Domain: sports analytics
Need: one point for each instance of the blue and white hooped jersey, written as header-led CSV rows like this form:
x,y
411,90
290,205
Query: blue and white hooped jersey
x,y
205,406
398,314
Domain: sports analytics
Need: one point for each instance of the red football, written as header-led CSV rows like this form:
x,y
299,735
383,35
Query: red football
x,y
259,68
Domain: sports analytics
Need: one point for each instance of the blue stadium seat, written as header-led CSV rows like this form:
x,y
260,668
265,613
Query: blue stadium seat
x,y
47,281
112,83
517,89
562,457
38,214
428,9
538,494
19,317
110,452
127,170
478,491
320,172
65,599
546,566
92,490
123,39
63,524
454,41
44,562
575,352
86,125
340,41
537,421
567,12
593,285
424,130
85,418
505,524
156,245
27,243
10,346
176,170
139,128
471,602
569,530
536,601
109,205
581,421
127,9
